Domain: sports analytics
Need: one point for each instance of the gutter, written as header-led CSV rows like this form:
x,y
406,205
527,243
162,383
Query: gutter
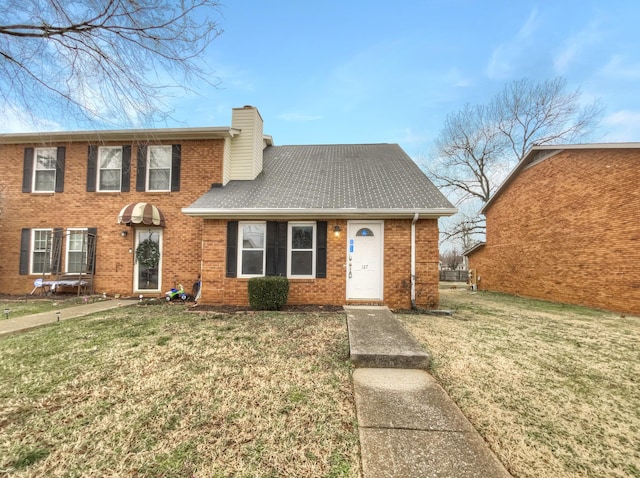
x,y
319,213
413,261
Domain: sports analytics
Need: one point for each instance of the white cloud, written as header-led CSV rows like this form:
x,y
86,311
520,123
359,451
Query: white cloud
x,y
619,68
299,117
20,121
575,45
622,126
505,55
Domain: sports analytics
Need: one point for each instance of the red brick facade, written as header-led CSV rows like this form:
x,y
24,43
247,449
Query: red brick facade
x,y
567,229
219,289
191,246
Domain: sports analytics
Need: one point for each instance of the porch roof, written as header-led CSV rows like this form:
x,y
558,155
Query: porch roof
x,y
341,180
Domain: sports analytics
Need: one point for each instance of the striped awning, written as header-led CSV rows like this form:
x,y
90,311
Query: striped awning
x,y
141,213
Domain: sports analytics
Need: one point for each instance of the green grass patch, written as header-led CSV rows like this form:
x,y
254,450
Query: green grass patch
x,y
553,388
157,391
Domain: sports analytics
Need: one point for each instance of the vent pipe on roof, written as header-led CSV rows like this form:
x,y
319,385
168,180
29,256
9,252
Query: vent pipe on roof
x,y
413,261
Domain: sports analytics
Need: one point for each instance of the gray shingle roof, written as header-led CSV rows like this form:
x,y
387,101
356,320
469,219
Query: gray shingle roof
x,y
332,178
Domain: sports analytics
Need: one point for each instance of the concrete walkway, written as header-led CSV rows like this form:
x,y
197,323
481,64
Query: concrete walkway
x,y
409,427
28,322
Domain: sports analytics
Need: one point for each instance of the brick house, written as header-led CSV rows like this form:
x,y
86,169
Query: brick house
x,y
136,212
565,226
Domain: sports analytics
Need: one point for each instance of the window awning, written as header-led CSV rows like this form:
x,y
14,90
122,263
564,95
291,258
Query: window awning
x,y
141,213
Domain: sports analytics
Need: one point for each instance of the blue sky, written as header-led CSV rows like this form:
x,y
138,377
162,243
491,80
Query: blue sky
x,y
380,71
355,71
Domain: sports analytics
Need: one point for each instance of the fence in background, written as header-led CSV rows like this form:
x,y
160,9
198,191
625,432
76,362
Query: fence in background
x,y
454,276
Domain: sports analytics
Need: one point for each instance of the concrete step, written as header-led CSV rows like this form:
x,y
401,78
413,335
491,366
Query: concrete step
x,y
378,340
409,427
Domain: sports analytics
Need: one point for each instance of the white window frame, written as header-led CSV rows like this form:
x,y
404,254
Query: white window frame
x,y
290,249
70,232
151,148
33,250
36,169
241,248
101,150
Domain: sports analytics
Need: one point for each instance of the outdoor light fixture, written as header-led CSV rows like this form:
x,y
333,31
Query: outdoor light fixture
x,y
124,233
336,231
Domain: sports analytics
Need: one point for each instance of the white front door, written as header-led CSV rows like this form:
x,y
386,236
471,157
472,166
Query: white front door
x,y
365,260
148,261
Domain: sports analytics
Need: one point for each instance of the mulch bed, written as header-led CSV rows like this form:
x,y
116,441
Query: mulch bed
x,y
232,309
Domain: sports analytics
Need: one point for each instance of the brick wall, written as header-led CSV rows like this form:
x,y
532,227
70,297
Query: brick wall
x,y
568,229
75,207
219,289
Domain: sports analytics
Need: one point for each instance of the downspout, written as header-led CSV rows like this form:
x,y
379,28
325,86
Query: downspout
x,y
413,261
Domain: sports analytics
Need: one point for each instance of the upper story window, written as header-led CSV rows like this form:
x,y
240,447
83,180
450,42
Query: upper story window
x,y
251,249
41,250
159,168
110,168
302,250
44,171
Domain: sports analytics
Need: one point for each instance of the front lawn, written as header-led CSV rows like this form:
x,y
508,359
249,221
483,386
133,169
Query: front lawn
x,y
156,391
554,389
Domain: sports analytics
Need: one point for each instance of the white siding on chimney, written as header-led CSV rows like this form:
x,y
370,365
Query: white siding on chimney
x,y
246,147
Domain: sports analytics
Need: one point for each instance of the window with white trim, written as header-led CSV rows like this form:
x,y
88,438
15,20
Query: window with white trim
x,y
159,168
251,249
109,168
41,250
301,250
44,170
76,250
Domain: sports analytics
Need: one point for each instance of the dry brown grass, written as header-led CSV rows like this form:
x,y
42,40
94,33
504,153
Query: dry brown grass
x,y
153,391
554,389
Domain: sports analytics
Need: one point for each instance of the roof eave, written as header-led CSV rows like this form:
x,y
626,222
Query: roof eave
x,y
182,134
321,213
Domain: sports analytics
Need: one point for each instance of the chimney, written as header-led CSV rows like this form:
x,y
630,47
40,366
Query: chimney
x,y
245,158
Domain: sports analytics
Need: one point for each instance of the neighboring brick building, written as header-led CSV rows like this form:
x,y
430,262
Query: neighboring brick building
x,y
136,212
565,226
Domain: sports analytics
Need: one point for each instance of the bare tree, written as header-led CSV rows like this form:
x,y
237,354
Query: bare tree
x,y
479,145
451,259
101,60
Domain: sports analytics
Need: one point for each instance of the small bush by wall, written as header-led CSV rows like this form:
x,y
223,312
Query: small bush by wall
x,y
268,293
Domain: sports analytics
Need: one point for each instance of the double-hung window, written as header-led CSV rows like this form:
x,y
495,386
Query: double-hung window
x,y
76,250
301,250
110,168
44,171
41,250
251,249
159,168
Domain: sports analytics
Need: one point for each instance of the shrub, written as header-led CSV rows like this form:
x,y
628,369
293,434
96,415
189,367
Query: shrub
x,y
268,293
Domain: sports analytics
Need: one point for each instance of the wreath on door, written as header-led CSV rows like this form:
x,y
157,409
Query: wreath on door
x,y
148,253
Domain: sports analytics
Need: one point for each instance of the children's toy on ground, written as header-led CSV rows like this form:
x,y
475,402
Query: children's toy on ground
x,y
178,293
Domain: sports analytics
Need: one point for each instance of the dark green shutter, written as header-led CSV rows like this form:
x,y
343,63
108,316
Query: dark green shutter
x,y
281,261
141,173
125,183
232,249
321,249
276,249
272,248
27,171
60,169
25,246
92,240
56,251
92,168
175,167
